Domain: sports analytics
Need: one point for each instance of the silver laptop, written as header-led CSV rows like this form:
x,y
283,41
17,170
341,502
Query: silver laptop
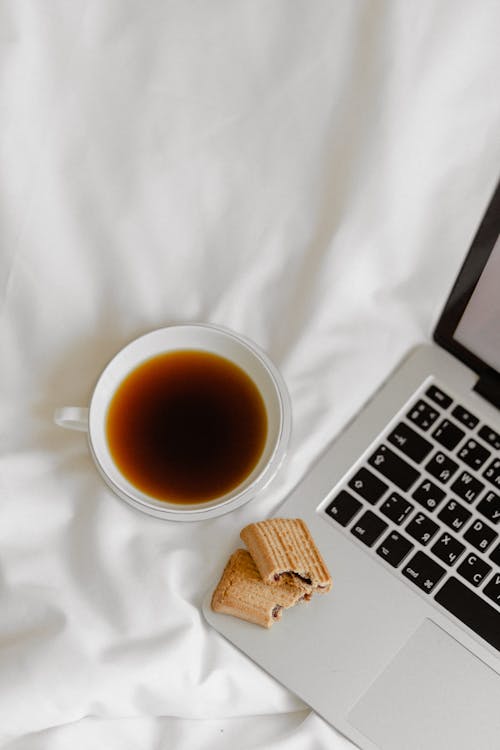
x,y
404,652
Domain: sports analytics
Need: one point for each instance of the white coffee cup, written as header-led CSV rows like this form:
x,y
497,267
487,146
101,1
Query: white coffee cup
x,y
201,337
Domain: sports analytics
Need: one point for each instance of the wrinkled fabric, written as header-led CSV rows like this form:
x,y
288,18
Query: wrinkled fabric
x,y
309,174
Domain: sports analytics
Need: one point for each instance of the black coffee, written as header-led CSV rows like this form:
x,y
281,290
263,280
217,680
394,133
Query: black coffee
x,y
186,426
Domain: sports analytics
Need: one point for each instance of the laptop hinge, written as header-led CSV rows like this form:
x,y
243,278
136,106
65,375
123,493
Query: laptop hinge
x,y
489,388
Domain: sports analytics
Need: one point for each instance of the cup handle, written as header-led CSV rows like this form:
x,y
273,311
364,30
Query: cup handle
x,y
72,418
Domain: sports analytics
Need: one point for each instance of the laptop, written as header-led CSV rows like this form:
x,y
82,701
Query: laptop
x,y
404,652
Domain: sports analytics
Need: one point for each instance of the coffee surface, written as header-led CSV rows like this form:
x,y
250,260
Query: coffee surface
x,y
186,426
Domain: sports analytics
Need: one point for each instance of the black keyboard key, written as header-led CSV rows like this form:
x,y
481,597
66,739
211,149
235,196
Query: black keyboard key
x,y
495,555
492,589
438,396
367,485
473,569
448,434
396,508
423,414
490,436
442,467
465,417
480,535
394,548
492,472
368,528
422,528
343,508
423,572
394,468
429,494
448,549
454,515
471,610
490,506
410,442
473,454
467,487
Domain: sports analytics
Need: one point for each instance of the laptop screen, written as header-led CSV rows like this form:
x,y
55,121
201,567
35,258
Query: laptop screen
x,y
469,326
479,327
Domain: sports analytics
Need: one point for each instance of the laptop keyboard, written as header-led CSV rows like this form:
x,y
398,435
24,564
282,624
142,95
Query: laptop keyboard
x,y
426,500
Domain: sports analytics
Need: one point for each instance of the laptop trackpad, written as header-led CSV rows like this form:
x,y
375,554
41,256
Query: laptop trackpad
x,y
434,694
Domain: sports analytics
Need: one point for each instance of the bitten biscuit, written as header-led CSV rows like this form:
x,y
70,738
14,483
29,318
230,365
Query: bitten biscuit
x,y
284,547
241,592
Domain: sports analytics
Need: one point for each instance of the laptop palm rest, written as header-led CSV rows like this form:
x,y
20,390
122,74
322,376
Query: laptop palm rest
x,y
427,695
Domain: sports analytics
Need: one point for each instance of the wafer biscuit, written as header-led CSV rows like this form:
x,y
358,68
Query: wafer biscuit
x,y
284,547
241,592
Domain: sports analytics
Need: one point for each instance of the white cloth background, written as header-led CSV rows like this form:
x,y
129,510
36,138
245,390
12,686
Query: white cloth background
x,y
307,173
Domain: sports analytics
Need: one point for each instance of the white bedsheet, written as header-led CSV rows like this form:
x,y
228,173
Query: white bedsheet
x,y
306,173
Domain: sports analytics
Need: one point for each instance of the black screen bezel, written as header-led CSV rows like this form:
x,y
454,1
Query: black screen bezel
x,y
463,288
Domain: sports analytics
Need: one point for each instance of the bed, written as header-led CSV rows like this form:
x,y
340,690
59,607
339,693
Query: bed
x,y
308,174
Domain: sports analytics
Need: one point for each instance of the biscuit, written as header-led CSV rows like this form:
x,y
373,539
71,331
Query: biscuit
x,y
283,548
241,592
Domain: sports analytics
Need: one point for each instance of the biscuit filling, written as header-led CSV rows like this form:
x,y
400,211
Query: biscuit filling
x,y
305,580
276,613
